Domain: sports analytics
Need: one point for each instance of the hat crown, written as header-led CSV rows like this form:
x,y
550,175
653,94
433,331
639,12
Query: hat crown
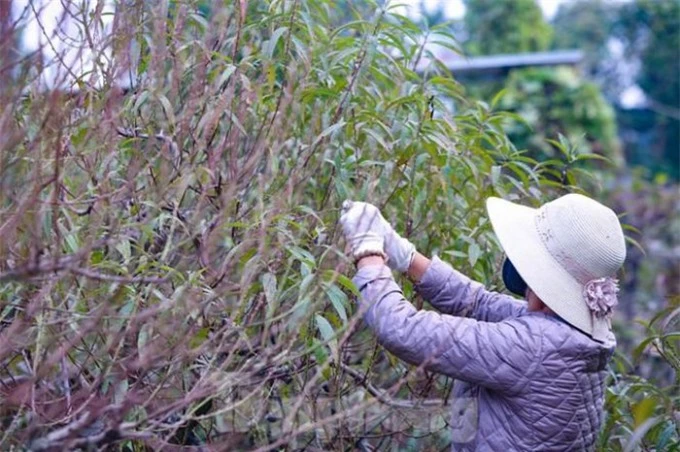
x,y
584,236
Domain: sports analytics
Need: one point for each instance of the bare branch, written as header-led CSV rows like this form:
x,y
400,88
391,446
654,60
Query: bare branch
x,y
386,399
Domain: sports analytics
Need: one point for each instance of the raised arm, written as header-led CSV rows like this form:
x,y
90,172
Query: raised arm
x,y
447,290
451,292
495,355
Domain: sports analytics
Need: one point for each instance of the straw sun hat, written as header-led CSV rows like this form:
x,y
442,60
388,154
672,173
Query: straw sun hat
x,y
568,252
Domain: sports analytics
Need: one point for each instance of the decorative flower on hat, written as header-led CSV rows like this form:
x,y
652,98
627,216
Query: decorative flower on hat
x,y
600,295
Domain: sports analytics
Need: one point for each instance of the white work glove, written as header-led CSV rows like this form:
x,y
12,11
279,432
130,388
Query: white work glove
x,y
367,232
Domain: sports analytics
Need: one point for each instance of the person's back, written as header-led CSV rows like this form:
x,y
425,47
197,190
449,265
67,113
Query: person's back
x,y
558,403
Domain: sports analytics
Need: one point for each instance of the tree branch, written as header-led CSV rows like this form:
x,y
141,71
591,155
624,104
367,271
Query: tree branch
x,y
387,400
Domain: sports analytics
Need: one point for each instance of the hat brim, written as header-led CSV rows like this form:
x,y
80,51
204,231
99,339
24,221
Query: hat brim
x,y
517,233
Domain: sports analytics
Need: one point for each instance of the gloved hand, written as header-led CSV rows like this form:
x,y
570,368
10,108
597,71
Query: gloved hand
x,y
367,232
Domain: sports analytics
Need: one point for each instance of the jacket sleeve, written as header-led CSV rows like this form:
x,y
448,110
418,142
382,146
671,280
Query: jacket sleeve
x,y
497,355
451,292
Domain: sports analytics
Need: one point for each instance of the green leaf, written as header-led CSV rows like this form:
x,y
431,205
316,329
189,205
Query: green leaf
x,y
226,74
499,95
199,338
643,410
338,300
121,391
347,283
302,255
320,353
143,337
167,109
200,20
592,157
474,253
663,442
306,282
327,333
637,351
638,435
273,41
269,287
141,100
311,94
123,247
495,174
325,328
328,131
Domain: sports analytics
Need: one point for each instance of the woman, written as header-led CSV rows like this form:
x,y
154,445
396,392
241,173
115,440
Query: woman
x,y
529,375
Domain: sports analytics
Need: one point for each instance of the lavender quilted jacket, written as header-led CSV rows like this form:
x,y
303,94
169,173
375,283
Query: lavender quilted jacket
x,y
524,380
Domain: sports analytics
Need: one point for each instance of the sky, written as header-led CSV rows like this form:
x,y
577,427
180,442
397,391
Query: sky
x,y
454,9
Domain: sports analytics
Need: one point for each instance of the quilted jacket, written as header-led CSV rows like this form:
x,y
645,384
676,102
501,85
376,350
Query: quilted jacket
x,y
524,380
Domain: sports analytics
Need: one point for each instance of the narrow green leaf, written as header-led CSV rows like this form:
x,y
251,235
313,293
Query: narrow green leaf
x,y
302,255
643,410
273,41
338,300
167,109
269,287
327,333
474,253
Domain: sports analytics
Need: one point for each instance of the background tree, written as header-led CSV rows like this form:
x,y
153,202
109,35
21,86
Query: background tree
x,y
558,101
587,25
432,16
551,101
650,32
505,26
632,44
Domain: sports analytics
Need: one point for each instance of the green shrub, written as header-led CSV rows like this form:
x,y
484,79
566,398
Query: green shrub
x,y
558,101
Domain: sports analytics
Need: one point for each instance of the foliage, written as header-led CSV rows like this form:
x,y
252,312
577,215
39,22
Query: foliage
x,y
650,32
642,414
169,260
434,16
170,265
652,213
628,43
650,142
649,28
624,43
551,102
643,393
587,25
505,26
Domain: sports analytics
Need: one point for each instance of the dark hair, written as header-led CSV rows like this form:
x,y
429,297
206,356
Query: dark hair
x,y
512,279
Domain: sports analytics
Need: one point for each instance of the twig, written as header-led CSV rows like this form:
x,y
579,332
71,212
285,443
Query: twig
x,y
114,278
59,435
31,270
174,148
60,439
66,384
387,400
67,263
